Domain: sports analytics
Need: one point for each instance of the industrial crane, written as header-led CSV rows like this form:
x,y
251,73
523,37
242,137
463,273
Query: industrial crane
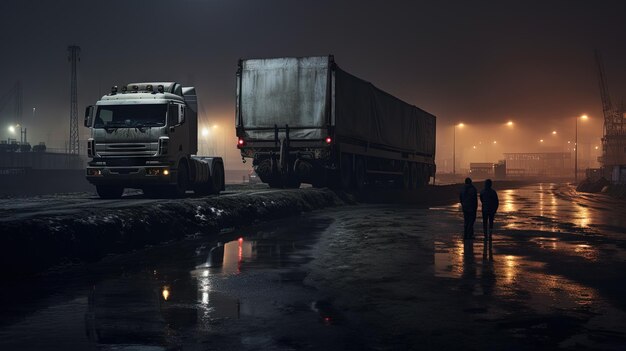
x,y
614,136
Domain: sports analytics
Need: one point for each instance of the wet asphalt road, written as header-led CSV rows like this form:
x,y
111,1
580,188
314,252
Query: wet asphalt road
x,y
355,277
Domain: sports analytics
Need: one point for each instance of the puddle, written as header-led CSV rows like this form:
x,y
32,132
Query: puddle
x,y
580,249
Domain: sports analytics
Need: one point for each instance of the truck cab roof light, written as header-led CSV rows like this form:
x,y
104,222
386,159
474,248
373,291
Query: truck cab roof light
x,y
240,143
135,88
329,140
114,90
124,89
160,88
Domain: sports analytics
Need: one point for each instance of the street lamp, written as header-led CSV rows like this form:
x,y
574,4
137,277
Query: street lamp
x,y
454,147
509,123
13,129
583,117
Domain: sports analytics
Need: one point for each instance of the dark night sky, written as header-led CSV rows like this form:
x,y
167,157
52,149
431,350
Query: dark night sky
x,y
480,62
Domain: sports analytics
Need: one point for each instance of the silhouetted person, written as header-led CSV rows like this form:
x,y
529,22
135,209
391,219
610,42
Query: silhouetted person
x,y
469,202
489,201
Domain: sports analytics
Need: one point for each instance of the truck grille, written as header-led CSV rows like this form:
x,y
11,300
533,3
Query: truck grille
x,y
126,149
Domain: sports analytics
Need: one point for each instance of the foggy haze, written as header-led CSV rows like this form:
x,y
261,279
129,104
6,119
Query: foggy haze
x,y
481,63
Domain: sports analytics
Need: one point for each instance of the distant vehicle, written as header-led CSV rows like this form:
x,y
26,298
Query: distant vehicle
x,y
146,136
305,120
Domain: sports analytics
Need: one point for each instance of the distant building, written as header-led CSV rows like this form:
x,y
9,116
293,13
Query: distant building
x,y
481,169
550,164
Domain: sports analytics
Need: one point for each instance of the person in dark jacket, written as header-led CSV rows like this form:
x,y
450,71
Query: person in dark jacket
x,y
489,201
469,203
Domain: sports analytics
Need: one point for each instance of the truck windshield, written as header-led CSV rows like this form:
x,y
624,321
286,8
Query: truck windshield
x,y
130,116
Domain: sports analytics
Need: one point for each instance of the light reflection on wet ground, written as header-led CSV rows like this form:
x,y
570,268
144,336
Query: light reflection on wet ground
x,y
369,276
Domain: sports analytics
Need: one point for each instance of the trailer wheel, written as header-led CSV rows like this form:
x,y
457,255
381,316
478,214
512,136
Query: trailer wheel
x,y
109,191
360,174
345,172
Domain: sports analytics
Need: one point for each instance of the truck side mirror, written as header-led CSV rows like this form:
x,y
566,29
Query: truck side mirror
x,y
181,114
89,116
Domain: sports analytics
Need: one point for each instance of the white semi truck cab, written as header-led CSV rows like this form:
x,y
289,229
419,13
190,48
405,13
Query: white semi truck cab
x,y
145,136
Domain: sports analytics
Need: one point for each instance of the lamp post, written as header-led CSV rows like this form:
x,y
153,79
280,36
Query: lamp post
x,y
14,128
576,149
454,147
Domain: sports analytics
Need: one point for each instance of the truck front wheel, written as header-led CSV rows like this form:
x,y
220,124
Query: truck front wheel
x,y
182,181
109,191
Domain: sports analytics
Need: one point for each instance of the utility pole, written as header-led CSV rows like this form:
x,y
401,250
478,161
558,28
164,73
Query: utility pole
x,y
74,143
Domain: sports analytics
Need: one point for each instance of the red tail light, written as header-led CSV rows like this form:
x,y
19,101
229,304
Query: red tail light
x,y
329,140
240,143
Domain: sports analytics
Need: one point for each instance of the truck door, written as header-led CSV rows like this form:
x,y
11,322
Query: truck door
x,y
177,130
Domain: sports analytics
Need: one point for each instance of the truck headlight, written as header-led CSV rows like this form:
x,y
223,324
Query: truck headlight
x,y
157,171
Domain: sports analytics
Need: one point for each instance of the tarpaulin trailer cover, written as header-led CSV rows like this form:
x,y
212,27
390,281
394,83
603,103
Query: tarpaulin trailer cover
x,y
311,93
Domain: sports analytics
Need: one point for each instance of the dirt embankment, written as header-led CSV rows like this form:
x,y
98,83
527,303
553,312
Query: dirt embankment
x,y
34,244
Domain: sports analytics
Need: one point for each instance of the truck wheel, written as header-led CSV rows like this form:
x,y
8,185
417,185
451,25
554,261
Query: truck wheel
x,y
345,171
218,179
182,181
360,174
109,191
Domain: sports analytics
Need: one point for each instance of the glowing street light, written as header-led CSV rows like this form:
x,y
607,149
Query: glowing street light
x,y
541,140
509,123
583,117
205,132
460,125
554,132
12,129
